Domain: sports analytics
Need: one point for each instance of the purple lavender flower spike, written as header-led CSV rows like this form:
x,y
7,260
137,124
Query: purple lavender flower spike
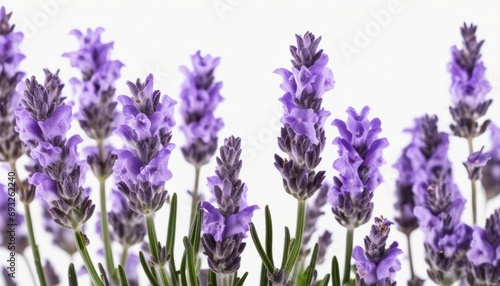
x,y
129,227
200,96
484,254
475,163
302,136
469,86
142,166
225,227
375,264
360,156
43,130
11,146
63,238
491,171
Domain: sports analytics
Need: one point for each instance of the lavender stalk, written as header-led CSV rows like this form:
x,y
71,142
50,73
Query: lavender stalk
x,y
469,89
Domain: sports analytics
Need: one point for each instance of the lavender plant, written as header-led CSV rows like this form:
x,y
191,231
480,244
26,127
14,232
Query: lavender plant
x,y
200,96
491,172
97,114
360,156
469,89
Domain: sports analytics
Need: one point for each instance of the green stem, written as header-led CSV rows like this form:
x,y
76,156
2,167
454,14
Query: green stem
x,y
348,254
299,231
473,186
194,198
34,246
153,246
29,268
104,228
80,244
124,256
225,279
410,257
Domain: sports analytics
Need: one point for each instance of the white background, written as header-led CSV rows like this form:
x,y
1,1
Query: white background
x,y
397,67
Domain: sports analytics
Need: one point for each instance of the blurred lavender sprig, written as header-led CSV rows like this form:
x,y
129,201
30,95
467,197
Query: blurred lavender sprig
x,y
491,171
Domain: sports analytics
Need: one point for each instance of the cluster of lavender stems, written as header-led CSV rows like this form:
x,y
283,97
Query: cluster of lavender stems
x,y
35,119
469,89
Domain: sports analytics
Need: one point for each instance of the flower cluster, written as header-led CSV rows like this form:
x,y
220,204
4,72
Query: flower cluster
x,y
439,204
225,227
200,96
484,254
377,265
469,86
42,125
491,171
360,156
11,146
303,137
142,166
129,227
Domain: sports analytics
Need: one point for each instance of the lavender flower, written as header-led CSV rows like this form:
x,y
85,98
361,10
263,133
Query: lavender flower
x,y
376,264
484,253
313,212
42,126
469,86
303,137
142,166
475,163
61,237
11,146
491,171
129,227
199,99
360,156
225,227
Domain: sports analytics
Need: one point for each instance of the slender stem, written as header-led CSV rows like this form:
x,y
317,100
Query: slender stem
x,y
348,254
410,257
153,246
194,201
473,187
34,246
225,279
80,244
299,231
29,268
124,256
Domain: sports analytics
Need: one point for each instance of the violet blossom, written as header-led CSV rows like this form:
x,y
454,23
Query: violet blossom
x,y
200,96
469,86
11,147
128,227
360,156
225,226
302,136
484,253
142,166
42,125
475,164
491,171
377,265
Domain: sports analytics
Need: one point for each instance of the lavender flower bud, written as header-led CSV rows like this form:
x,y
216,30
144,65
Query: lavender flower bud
x,y
302,136
61,237
199,98
469,86
142,166
376,264
128,227
484,253
225,227
360,152
491,171
11,146
475,163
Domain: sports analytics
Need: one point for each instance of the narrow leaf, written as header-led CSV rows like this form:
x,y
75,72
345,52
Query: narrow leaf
x,y
256,241
241,280
72,277
286,246
269,234
147,270
335,272
123,276
312,265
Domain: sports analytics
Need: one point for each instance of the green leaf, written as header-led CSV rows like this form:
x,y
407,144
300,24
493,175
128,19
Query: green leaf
x,y
212,278
263,276
190,262
256,241
269,234
325,280
335,272
286,246
312,265
123,276
240,281
183,270
147,270
170,243
72,277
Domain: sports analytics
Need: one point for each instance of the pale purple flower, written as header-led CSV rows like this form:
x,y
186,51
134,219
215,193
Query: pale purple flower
x,y
360,156
376,264
200,95
475,163
491,171
302,136
127,226
225,226
142,167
